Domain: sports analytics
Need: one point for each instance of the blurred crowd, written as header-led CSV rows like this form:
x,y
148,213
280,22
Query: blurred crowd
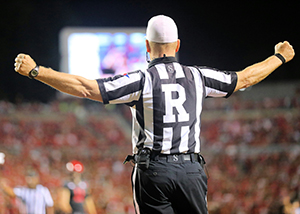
x,y
252,149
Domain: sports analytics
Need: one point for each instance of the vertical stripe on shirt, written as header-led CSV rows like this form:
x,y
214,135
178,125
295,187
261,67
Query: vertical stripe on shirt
x,y
199,97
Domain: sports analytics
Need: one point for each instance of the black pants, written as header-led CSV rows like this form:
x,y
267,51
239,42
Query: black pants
x,y
170,187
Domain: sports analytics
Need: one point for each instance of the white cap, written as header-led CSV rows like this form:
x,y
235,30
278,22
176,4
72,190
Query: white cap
x,y
161,29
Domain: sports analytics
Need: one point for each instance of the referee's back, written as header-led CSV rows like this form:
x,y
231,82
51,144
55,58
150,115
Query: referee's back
x,y
168,111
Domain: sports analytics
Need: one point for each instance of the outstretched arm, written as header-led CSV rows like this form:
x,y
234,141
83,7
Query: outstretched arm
x,y
67,83
259,71
7,189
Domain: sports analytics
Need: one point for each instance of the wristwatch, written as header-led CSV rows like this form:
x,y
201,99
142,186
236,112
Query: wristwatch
x,y
34,72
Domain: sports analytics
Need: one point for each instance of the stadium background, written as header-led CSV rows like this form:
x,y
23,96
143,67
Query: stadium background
x,y
252,150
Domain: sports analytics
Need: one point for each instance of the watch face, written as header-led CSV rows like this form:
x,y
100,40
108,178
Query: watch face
x,y
34,73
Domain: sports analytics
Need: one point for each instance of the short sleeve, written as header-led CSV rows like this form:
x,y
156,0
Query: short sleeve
x,y
119,89
218,83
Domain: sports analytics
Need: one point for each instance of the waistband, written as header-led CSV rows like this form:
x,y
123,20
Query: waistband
x,y
180,158
145,155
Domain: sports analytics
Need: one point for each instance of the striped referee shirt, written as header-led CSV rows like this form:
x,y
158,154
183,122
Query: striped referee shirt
x,y
166,102
35,200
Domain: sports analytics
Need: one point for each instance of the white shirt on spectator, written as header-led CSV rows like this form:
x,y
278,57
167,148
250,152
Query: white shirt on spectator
x,y
35,200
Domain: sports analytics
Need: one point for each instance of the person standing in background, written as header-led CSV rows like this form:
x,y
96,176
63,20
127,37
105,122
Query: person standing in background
x,y
36,198
73,196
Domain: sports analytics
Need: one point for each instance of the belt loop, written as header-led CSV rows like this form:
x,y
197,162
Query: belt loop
x,y
193,157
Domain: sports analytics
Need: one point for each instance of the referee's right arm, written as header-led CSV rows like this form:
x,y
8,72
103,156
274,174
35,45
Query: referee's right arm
x,y
259,71
67,83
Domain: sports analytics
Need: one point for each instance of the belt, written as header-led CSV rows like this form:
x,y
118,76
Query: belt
x,y
145,156
180,158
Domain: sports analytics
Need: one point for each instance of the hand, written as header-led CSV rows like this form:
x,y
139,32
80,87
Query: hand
x,y
6,188
3,183
24,64
286,50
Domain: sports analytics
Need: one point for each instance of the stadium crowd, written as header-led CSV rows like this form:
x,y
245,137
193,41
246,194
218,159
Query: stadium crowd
x,y
252,152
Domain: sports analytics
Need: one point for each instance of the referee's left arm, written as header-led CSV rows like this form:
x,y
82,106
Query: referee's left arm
x,y
259,71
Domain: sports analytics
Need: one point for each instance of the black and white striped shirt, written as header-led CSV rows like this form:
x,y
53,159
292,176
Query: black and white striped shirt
x,y
35,200
166,102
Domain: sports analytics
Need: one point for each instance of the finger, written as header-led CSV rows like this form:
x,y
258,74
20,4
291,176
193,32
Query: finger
x,y
278,45
18,59
21,56
17,66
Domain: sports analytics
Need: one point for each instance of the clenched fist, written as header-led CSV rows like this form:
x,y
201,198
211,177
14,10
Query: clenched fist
x,y
24,64
286,50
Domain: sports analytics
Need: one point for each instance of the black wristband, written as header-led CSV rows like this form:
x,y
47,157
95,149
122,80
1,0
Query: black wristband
x,y
280,57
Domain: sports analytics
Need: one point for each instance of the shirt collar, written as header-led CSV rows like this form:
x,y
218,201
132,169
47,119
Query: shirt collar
x,y
165,60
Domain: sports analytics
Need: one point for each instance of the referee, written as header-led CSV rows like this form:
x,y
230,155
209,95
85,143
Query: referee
x,y
166,104
36,198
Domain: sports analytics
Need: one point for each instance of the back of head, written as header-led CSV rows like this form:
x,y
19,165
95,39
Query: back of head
x,y
161,29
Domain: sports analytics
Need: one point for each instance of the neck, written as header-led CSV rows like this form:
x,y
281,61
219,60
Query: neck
x,y
158,50
33,186
160,55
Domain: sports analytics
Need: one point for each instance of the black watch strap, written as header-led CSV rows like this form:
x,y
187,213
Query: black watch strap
x,y
34,72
